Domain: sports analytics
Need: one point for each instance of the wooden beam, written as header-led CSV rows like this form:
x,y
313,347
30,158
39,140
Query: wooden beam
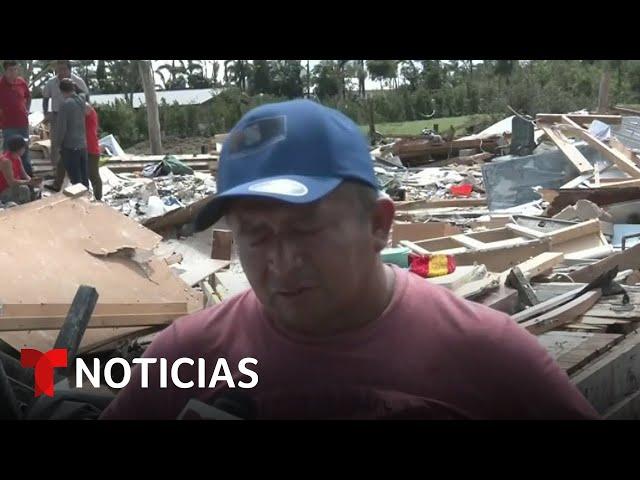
x,y
547,305
570,151
581,119
563,314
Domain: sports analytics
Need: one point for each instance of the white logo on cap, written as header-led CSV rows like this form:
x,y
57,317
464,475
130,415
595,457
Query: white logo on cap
x,y
280,186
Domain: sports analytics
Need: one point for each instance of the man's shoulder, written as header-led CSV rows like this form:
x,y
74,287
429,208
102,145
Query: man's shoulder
x,y
444,311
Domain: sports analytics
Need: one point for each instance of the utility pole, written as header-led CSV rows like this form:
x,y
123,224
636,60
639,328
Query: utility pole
x,y
603,94
153,115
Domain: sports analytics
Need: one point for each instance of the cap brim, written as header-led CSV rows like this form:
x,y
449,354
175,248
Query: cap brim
x,y
295,189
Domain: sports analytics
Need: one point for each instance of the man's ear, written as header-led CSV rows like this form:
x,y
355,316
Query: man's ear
x,y
381,220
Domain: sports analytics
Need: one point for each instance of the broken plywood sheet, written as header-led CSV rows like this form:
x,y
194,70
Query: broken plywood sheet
x,y
58,236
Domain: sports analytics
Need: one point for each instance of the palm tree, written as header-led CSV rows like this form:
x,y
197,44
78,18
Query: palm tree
x,y
238,72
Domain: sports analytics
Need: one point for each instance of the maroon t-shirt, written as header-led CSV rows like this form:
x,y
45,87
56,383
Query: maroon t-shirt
x,y
429,355
13,103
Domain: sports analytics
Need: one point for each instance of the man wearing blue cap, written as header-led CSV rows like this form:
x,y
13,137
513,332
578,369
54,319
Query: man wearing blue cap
x,y
337,333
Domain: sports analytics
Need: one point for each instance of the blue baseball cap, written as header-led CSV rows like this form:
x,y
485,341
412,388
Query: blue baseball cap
x,y
296,151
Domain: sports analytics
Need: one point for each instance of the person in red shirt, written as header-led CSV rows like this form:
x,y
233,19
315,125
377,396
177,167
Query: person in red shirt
x,y
93,150
15,102
15,183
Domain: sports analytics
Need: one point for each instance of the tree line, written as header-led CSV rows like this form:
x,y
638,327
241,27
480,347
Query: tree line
x,y
405,89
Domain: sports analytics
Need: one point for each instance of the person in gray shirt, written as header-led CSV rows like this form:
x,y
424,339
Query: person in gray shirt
x,y
52,94
72,134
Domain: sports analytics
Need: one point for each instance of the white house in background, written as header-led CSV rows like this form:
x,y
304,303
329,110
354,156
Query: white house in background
x,y
181,97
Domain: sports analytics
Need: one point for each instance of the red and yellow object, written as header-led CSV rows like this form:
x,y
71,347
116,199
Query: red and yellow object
x,y
428,266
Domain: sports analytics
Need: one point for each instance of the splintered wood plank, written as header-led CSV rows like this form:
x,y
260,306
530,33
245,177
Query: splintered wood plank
x,y
570,151
564,314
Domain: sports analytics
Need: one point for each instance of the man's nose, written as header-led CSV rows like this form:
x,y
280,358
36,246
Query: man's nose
x,y
285,255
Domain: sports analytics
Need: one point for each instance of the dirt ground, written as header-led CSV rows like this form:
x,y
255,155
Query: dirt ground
x,y
174,145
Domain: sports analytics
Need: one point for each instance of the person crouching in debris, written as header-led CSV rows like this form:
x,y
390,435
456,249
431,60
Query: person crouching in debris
x,y
93,147
15,183
335,331
72,134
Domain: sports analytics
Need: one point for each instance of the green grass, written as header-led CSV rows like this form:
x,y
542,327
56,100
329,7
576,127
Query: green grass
x,y
415,127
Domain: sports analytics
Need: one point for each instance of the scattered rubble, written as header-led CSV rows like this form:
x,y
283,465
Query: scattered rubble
x,y
538,218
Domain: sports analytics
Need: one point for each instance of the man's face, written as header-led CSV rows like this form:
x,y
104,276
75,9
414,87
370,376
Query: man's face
x,y
307,262
11,73
63,71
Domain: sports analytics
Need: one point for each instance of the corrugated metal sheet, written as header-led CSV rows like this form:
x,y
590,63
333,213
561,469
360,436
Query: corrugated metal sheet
x,y
628,132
